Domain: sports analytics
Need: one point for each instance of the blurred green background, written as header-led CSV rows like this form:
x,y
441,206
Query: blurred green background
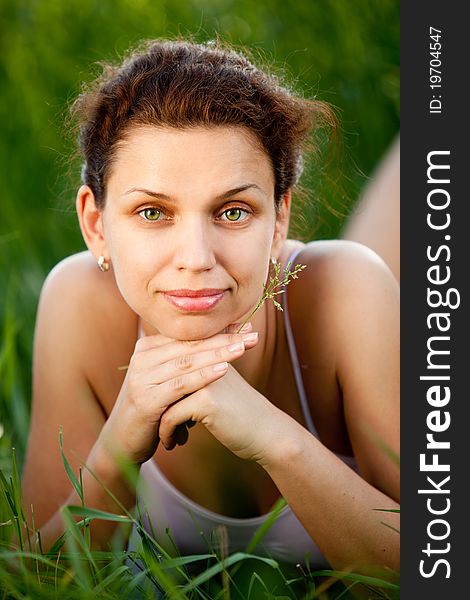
x,y
346,53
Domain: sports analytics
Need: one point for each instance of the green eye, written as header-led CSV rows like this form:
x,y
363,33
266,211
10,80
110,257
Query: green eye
x,y
233,214
151,214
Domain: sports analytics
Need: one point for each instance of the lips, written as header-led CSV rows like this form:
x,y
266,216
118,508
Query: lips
x,y
194,300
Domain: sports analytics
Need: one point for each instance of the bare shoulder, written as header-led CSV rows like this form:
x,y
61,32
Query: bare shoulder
x,y
340,276
345,294
83,317
340,260
352,296
75,287
77,277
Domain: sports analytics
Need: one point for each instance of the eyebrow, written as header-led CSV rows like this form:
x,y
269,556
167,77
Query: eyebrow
x,y
223,196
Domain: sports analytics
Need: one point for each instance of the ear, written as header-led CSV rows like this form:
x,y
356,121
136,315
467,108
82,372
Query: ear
x,y
90,218
281,227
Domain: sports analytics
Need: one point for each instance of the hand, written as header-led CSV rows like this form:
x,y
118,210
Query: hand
x,y
161,372
241,418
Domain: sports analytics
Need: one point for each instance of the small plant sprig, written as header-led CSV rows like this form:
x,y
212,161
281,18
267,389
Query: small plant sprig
x,y
271,289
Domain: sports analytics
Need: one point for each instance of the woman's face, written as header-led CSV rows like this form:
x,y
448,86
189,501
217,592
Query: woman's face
x,y
189,223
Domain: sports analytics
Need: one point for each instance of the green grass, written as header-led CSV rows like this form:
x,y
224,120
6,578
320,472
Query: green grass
x,y
72,570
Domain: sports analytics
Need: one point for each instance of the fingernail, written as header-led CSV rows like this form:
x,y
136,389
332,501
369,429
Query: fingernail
x,y
246,327
250,337
219,367
236,347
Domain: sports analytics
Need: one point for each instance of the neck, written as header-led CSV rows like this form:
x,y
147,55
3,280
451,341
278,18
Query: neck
x,y
255,365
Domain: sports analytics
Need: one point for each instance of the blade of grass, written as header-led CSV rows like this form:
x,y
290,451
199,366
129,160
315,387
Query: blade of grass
x,y
160,578
86,532
390,527
186,560
346,590
11,555
365,579
74,540
255,577
94,513
10,495
389,510
392,455
149,556
266,525
136,581
57,545
16,485
71,475
228,562
36,531
107,581
60,541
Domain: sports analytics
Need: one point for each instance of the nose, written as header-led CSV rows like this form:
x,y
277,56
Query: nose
x,y
193,245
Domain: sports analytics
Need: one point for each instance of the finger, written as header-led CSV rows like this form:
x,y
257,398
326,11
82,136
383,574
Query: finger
x,y
175,389
156,340
239,328
186,363
175,417
158,354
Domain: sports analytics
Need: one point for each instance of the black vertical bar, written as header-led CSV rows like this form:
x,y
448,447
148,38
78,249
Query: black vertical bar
x,y
435,120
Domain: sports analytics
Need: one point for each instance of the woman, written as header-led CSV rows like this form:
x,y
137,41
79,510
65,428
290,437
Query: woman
x,y
190,156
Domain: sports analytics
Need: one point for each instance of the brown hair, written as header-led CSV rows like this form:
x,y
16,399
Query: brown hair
x,y
183,84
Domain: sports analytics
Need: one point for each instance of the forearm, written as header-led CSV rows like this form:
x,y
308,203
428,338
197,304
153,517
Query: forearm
x,y
334,503
101,471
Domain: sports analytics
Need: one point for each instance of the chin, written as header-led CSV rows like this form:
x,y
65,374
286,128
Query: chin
x,y
192,329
